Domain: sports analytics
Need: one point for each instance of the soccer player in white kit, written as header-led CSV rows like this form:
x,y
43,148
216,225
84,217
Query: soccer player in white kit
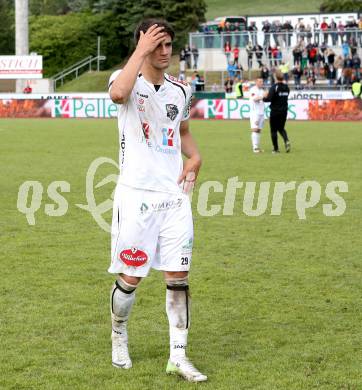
x,y
256,114
152,221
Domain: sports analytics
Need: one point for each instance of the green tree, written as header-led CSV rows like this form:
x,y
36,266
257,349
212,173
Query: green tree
x,y
341,6
7,27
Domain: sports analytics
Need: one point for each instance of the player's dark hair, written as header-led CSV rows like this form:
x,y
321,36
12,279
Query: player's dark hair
x,y
145,24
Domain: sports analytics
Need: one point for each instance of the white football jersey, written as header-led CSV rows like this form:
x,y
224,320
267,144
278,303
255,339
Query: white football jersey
x,y
256,108
149,134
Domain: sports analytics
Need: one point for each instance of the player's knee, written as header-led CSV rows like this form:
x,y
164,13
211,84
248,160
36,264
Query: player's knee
x,y
130,280
122,299
169,276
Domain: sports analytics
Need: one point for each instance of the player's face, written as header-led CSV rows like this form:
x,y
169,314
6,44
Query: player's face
x,y
161,56
259,83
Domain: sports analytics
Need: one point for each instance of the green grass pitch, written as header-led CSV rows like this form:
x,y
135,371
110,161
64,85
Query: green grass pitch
x,y
277,301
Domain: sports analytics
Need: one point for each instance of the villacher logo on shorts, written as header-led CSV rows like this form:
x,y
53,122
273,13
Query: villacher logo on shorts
x,y
133,257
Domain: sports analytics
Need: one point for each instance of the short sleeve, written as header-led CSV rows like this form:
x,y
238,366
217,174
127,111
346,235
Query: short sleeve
x,y
112,78
187,109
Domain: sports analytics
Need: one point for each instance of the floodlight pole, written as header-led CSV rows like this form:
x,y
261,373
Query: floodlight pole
x,y
98,50
21,35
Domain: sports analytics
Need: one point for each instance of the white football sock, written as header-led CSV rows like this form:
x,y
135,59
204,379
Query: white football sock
x,y
255,139
178,313
122,298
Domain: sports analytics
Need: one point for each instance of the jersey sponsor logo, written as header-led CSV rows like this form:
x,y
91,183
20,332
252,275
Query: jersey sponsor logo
x,y
172,111
142,95
143,208
161,206
146,130
133,257
167,205
141,101
171,78
167,136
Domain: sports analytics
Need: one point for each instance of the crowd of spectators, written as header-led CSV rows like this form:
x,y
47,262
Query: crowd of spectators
x,y
311,60
280,34
320,61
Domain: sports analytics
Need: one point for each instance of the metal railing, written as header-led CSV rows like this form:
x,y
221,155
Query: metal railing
x,y
77,69
215,40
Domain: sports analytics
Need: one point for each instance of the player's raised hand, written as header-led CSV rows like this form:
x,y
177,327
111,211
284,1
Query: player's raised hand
x,y
149,40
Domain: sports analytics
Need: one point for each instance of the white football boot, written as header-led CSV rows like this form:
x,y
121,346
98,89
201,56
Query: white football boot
x,y
183,367
120,355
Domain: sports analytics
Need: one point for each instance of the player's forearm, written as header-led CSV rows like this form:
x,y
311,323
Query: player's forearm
x,y
189,147
123,84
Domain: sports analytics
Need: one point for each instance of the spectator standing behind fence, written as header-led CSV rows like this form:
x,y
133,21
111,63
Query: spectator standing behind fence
x,y
312,54
338,64
316,32
264,74
273,31
333,31
297,54
227,51
331,55
310,76
239,71
288,31
231,69
324,29
249,51
253,30
356,65
353,46
275,55
258,50
266,30
284,69
237,34
297,74
340,29
188,56
345,49
357,89
308,34
228,85
236,55
238,88
195,55
304,61
330,72
182,62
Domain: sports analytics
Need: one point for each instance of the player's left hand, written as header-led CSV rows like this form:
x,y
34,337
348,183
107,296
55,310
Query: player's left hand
x,y
189,173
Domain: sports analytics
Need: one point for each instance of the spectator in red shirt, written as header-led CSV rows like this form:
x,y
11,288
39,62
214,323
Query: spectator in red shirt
x,y
227,51
312,55
324,28
27,89
236,55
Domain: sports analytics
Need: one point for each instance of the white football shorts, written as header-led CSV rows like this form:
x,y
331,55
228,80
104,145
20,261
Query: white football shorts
x,y
256,121
150,229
